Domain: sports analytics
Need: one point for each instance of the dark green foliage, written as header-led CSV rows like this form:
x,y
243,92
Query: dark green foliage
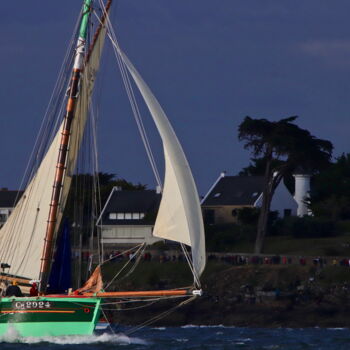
x,y
221,238
306,227
330,196
344,227
108,181
248,216
148,275
257,167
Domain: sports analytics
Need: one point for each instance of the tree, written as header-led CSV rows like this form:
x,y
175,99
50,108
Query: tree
x,y
284,147
88,194
330,196
257,167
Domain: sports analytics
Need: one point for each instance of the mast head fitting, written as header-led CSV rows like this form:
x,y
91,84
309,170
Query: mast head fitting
x,y
197,292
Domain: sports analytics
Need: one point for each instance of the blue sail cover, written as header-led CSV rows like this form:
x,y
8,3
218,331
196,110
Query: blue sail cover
x,y
60,277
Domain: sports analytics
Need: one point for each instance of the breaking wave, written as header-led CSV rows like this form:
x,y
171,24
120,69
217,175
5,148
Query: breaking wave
x,y
204,326
120,339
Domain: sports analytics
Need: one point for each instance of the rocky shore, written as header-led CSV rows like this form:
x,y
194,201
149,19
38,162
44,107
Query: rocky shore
x,y
259,296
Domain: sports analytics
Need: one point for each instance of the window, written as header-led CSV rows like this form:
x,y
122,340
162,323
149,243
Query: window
x,y
126,216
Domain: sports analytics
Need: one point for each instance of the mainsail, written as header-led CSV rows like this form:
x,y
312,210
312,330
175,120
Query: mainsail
x,y
22,236
179,216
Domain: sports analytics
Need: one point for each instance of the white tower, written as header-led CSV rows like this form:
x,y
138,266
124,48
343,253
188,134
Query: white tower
x,y
302,193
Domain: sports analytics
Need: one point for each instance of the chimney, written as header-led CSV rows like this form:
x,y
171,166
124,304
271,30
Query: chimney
x,y
302,193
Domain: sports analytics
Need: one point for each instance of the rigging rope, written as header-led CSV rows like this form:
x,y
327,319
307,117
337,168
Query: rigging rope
x,y
133,102
47,129
139,251
130,92
160,316
190,263
97,186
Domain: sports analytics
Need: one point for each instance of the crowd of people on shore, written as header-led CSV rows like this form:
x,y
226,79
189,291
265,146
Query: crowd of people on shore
x,y
234,259
245,259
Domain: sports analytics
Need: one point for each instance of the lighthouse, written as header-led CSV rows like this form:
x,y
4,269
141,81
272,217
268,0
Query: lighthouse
x,y
302,192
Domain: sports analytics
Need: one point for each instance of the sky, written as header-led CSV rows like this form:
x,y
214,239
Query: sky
x,y
210,64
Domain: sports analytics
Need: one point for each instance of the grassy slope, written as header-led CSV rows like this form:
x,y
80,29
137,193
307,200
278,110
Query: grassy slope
x,y
223,283
332,246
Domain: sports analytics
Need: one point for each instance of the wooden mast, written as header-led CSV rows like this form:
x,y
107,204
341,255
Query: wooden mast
x,y
65,136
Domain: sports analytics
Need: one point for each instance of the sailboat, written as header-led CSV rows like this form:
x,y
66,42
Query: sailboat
x,y
27,240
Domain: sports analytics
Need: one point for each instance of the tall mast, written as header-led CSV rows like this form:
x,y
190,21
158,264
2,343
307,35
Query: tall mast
x,y
62,156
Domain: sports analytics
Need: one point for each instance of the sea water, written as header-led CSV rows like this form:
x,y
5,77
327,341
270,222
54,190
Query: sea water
x,y
192,338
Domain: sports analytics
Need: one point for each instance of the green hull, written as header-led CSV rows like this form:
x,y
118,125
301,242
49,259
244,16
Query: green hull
x,y
49,316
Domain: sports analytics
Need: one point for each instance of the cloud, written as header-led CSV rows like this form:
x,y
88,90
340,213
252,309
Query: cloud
x,y
334,52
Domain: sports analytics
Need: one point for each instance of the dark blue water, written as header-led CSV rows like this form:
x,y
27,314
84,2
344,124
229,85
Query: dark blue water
x,y
193,337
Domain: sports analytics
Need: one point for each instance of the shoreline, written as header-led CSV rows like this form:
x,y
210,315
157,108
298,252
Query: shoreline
x,y
263,296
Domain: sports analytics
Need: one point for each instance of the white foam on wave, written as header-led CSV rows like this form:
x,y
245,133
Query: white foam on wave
x,y
182,340
206,326
338,329
245,339
12,337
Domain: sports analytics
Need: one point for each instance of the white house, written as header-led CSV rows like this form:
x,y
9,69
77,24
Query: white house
x,y
128,217
231,193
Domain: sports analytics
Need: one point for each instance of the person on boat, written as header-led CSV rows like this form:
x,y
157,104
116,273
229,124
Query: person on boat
x,y
33,292
13,290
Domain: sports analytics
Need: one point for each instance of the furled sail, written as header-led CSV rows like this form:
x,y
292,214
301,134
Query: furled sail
x,y
179,216
22,236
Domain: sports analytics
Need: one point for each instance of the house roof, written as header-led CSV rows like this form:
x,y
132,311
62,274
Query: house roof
x,y
137,201
8,198
235,190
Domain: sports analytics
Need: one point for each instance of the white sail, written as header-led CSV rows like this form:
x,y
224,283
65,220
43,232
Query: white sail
x,y
179,217
22,236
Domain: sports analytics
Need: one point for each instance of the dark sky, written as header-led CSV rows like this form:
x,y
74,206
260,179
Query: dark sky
x,y
210,63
